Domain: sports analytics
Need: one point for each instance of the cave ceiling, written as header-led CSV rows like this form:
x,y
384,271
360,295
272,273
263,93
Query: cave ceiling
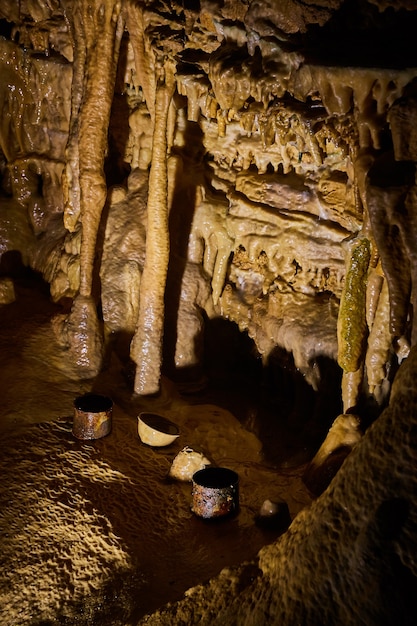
x,y
255,157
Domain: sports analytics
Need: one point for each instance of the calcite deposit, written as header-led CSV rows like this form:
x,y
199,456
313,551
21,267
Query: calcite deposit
x,y
269,142
166,164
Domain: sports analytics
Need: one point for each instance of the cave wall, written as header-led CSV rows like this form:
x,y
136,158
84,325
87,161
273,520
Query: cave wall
x,y
348,559
164,163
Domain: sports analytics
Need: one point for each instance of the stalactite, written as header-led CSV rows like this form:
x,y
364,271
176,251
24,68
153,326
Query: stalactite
x,y
373,292
143,53
146,347
385,200
95,113
71,176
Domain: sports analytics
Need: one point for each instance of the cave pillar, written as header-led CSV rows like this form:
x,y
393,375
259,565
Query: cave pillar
x,y
97,30
146,346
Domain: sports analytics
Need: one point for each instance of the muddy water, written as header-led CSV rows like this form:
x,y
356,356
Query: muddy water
x,y
96,532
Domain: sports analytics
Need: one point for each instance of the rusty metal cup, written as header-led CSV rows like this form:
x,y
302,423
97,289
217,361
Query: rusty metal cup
x,y
215,492
92,416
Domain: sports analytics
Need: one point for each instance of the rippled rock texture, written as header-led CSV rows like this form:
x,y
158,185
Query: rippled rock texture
x,y
349,558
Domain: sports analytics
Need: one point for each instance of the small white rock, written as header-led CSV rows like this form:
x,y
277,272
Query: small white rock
x,y
268,508
187,463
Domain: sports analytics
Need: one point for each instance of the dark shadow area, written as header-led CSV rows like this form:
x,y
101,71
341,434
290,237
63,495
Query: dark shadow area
x,y
272,400
393,582
11,265
318,479
360,35
188,176
115,168
28,283
6,29
20,319
297,418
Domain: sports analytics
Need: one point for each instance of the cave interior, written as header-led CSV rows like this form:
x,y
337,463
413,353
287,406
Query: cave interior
x,y
206,211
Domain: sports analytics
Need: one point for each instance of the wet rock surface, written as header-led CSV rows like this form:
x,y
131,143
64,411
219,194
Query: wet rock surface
x,y
97,532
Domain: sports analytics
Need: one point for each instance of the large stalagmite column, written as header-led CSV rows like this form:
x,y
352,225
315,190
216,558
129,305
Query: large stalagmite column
x,y
146,347
98,28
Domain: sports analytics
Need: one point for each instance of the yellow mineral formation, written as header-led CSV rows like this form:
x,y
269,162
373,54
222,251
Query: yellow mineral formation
x,y
352,316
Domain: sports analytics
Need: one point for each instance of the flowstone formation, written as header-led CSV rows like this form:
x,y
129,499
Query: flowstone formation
x,y
281,166
164,164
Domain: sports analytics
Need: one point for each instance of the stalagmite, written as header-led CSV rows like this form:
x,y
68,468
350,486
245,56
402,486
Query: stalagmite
x,y
379,347
351,325
352,317
146,347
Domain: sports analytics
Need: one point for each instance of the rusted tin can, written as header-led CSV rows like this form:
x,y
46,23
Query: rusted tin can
x,y
92,416
215,492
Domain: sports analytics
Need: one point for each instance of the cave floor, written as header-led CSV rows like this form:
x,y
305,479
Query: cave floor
x,y
96,532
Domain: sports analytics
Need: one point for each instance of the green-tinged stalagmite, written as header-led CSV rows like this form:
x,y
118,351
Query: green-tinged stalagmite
x,y
352,327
